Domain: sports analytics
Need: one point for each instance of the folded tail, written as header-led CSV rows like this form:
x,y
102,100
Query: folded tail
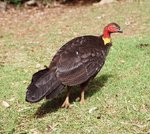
x,y
44,83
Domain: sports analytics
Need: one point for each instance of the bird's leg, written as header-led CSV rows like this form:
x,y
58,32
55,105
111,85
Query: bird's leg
x,y
82,89
66,103
82,100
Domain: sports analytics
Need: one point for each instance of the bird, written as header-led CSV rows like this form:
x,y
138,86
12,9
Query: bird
x,y
76,63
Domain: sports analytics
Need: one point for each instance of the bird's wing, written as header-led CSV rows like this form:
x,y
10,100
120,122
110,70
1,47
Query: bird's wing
x,y
76,66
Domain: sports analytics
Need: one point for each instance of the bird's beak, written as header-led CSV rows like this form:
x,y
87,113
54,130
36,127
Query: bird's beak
x,y
120,31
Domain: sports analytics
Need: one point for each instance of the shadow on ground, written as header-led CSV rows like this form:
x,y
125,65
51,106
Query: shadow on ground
x,y
79,2
55,104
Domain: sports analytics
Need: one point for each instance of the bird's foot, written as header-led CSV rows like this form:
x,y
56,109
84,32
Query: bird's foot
x,y
82,102
66,105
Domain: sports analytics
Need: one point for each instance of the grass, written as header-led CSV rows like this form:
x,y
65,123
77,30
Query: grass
x,y
118,100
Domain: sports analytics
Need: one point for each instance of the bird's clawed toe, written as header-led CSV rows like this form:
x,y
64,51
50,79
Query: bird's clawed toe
x,y
82,102
66,105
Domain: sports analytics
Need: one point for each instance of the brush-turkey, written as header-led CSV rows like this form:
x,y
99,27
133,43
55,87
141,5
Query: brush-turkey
x,y
75,63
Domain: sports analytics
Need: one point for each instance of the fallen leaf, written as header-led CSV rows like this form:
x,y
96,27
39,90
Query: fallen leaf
x,y
5,104
92,110
122,61
38,65
24,82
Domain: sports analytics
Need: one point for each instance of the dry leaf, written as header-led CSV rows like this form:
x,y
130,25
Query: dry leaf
x,y
5,104
92,109
38,65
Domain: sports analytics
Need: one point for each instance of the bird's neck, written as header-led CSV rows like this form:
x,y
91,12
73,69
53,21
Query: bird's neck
x,y
106,37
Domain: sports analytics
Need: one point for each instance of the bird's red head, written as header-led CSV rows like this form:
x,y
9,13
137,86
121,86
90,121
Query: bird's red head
x,y
111,28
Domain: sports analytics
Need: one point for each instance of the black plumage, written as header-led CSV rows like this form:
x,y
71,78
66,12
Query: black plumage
x,y
75,63
80,59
